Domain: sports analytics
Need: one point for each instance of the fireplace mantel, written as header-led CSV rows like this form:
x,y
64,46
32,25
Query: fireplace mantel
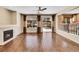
x,y
4,28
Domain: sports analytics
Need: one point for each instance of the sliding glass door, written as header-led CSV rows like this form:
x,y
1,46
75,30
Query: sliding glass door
x,y
31,24
46,23
38,23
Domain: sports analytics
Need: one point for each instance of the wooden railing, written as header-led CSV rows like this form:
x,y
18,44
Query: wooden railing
x,y
70,28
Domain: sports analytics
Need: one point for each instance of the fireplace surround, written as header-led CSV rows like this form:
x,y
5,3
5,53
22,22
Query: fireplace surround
x,y
6,34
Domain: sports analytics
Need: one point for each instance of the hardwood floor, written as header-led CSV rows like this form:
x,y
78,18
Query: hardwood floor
x,y
46,42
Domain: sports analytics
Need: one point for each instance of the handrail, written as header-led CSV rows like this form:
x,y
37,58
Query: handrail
x,y
70,28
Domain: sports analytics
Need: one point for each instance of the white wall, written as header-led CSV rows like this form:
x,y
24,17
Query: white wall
x,y
5,16
22,23
18,27
13,17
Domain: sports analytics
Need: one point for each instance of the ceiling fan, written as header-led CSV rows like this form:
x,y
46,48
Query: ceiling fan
x,y
41,9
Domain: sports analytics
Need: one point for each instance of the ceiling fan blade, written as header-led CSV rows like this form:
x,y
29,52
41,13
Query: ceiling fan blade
x,y
41,9
44,9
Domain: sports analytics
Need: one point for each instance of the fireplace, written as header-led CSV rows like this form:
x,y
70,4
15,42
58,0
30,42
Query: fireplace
x,y
7,34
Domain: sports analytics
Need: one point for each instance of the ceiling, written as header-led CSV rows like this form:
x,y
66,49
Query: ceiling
x,y
33,9
73,11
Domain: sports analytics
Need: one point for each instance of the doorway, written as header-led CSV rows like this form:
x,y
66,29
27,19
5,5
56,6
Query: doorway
x,y
46,23
39,23
31,24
